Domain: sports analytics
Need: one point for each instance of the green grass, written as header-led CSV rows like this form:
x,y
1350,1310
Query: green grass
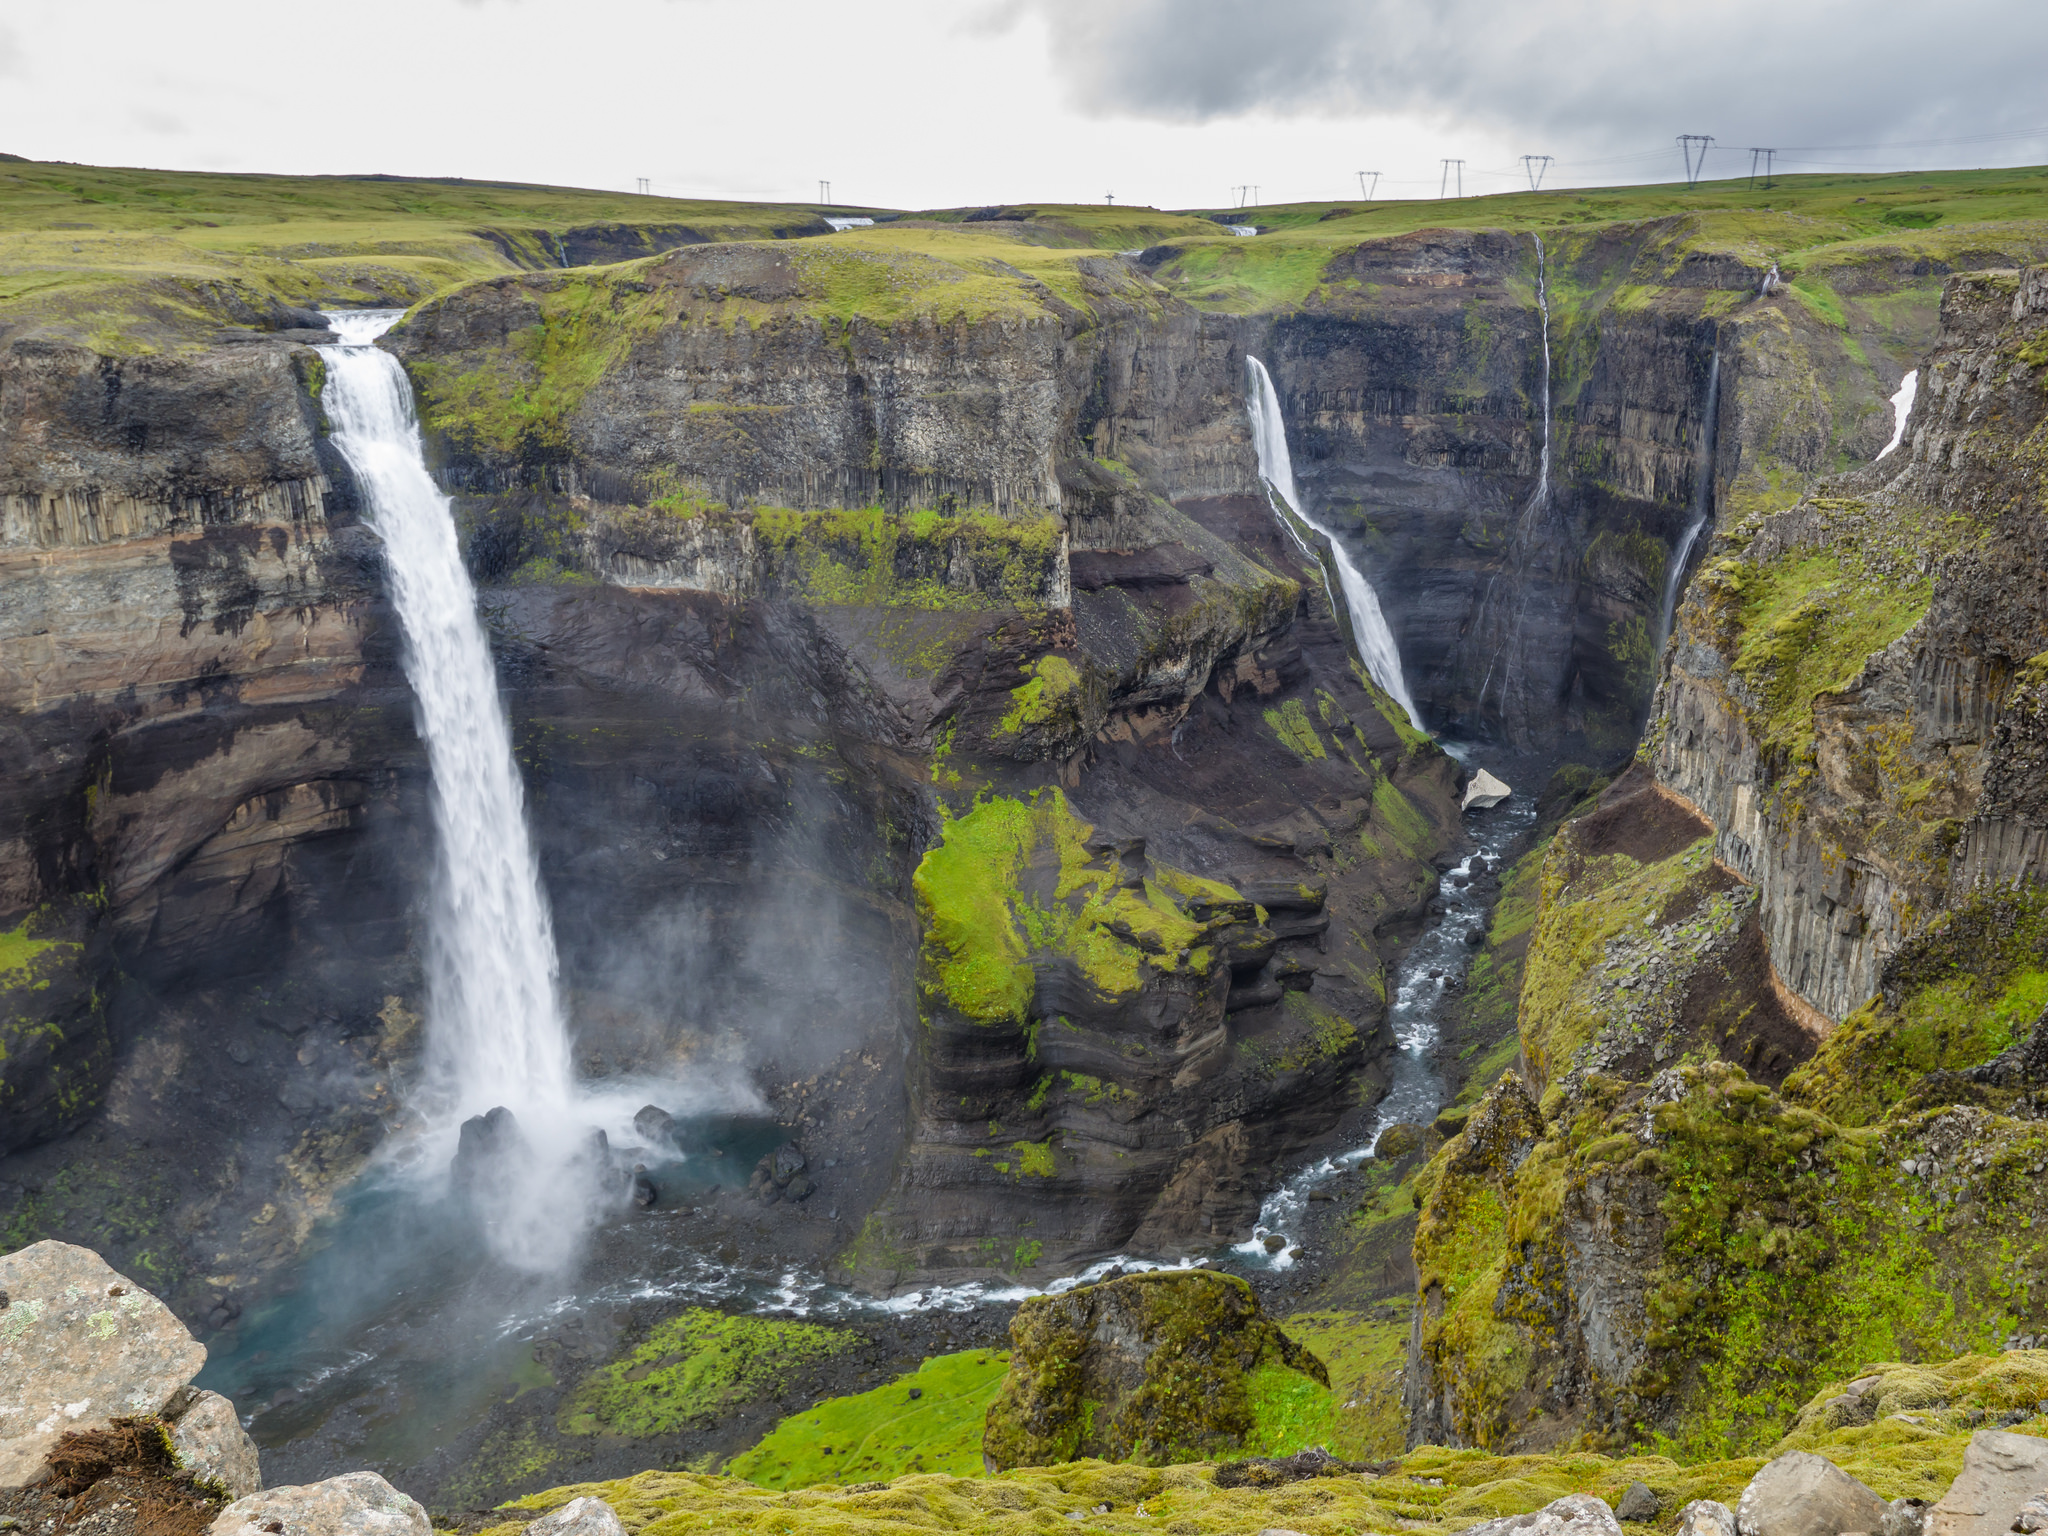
x,y
694,1365
886,1432
1360,1417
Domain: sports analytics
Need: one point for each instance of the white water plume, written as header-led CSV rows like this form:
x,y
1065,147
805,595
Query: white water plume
x,y
495,1033
1376,647
1902,410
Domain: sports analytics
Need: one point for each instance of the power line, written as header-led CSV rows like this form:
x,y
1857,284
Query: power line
x,y
1445,180
1363,189
1535,167
1686,141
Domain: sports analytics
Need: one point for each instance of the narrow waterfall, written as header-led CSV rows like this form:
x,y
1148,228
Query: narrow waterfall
x,y
1376,647
1702,504
1902,410
1510,647
495,1030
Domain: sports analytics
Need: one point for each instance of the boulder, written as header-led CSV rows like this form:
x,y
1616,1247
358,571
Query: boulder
x,y
1706,1517
1640,1503
1484,792
2001,1472
579,1517
354,1504
1577,1514
656,1124
1800,1494
80,1345
1151,1368
209,1442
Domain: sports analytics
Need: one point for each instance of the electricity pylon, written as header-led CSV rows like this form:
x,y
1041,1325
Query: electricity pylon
x,y
1445,180
1769,155
1365,191
1536,167
1693,167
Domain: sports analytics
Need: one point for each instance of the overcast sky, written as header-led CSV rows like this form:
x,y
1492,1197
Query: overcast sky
x,y
933,103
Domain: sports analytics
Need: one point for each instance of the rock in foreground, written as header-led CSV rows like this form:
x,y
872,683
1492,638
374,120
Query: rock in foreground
x,y
80,1346
1153,1368
1800,1494
2001,1472
354,1504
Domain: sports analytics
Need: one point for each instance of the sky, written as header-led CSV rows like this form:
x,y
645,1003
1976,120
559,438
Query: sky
x,y
940,103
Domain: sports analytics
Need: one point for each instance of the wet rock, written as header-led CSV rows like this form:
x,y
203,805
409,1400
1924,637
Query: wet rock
x,y
1909,1518
2001,1472
644,1192
484,1144
579,1517
354,1504
1151,1367
799,1188
1640,1503
209,1442
1474,937
1801,1494
656,1124
1578,1514
1706,1517
80,1345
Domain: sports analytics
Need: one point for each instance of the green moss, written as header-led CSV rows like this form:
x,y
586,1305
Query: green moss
x,y
1014,877
1035,1159
1398,823
18,949
1189,1373
885,1432
1297,733
868,557
1044,698
692,1367
1360,1416
1962,990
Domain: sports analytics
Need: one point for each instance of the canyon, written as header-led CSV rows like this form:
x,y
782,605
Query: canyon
x,y
948,750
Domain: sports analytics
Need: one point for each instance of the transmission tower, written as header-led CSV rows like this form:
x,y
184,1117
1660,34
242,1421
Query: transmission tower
x,y
1695,161
825,192
1445,181
1109,198
1536,167
1768,155
640,184
1365,191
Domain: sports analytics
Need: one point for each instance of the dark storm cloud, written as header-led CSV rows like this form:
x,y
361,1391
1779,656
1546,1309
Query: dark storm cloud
x,y
1589,77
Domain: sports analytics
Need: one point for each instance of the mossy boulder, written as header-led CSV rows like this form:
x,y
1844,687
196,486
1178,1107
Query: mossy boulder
x,y
1157,1368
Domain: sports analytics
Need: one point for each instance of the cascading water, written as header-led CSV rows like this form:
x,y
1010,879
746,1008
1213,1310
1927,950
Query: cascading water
x,y
1376,647
495,1030
1510,648
1702,504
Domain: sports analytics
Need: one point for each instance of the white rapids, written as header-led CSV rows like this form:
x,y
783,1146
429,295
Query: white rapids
x,y
1376,647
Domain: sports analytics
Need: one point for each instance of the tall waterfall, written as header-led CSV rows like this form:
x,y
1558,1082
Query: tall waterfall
x,y
1702,504
1902,409
495,1029
1376,647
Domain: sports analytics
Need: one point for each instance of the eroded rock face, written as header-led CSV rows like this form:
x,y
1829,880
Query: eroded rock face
x,y
80,1346
1149,1368
354,1504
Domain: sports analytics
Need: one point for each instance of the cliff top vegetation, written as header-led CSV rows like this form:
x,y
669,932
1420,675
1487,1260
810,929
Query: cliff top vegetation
x,y
130,260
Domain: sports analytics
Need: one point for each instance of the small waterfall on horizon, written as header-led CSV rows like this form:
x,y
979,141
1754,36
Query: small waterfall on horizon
x,y
1702,506
495,1031
1375,640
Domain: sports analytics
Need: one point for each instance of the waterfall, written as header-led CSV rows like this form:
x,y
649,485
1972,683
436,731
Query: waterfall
x,y
1376,647
1539,499
1702,503
1902,410
495,1032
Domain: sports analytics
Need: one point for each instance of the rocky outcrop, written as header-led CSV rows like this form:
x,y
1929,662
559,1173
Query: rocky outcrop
x,y
354,1504
1151,1368
81,1347
1850,701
